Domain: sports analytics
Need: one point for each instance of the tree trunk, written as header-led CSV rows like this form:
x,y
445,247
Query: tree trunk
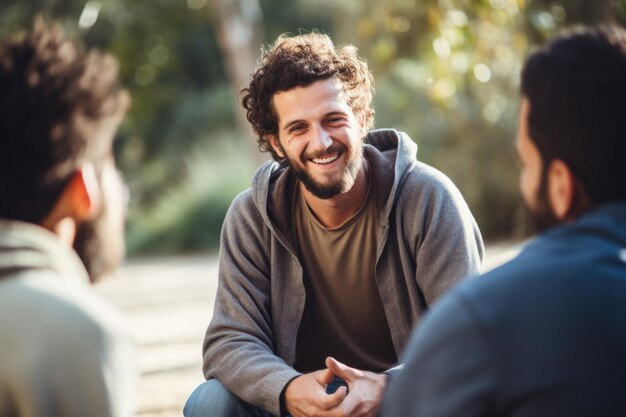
x,y
240,35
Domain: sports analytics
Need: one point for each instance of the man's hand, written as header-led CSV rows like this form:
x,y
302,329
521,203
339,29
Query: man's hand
x,y
306,396
365,389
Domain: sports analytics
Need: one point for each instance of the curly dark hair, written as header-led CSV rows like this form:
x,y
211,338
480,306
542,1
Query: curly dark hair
x,y
576,86
59,107
300,61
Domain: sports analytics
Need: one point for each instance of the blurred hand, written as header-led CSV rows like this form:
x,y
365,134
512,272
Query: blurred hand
x,y
306,396
365,390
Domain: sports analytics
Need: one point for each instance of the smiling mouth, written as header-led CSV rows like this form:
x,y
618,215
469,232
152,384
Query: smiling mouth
x,y
326,159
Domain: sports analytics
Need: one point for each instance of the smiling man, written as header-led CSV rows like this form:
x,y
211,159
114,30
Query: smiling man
x,y
336,251
544,335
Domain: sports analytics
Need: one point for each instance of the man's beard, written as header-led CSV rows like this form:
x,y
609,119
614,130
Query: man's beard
x,y
326,191
541,215
100,249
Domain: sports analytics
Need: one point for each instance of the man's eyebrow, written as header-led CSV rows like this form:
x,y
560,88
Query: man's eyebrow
x,y
293,122
336,113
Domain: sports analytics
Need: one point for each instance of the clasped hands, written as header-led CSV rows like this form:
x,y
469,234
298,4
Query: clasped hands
x,y
306,395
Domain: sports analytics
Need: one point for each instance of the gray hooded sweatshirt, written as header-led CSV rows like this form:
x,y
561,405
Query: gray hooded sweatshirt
x,y
427,242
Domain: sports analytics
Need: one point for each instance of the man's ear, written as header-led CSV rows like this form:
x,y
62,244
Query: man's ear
x,y
82,195
561,188
274,141
80,200
362,124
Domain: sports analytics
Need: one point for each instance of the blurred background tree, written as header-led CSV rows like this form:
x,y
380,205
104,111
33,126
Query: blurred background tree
x,y
447,73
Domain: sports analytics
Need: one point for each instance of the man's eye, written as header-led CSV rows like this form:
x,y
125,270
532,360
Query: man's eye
x,y
296,129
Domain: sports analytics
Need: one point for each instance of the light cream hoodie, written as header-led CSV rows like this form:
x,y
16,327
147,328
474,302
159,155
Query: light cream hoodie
x,y
64,351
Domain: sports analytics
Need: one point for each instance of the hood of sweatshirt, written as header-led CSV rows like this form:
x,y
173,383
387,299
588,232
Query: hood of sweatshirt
x,y
26,247
383,148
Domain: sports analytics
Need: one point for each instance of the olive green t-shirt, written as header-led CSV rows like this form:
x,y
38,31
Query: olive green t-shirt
x,y
343,313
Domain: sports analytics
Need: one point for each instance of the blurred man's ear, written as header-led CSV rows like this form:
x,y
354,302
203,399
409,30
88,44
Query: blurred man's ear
x,y
84,198
561,188
81,200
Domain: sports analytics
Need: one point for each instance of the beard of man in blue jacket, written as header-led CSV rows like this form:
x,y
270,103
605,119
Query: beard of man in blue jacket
x,y
544,335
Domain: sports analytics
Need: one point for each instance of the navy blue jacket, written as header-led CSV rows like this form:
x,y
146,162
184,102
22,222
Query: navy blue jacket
x,y
544,335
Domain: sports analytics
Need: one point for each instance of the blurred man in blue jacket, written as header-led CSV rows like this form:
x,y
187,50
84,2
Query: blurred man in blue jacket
x,y
544,335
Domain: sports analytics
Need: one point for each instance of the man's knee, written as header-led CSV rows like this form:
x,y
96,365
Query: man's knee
x,y
212,399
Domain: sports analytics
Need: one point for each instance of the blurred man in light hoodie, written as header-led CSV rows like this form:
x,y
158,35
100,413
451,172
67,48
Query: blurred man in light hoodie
x,y
63,350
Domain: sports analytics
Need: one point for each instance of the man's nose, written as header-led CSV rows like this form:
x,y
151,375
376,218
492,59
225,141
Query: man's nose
x,y
321,139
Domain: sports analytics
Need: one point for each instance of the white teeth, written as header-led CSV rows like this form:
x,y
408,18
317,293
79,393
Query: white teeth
x,y
327,160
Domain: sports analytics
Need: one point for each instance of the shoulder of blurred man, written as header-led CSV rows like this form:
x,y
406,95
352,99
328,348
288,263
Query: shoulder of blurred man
x,y
535,320
59,338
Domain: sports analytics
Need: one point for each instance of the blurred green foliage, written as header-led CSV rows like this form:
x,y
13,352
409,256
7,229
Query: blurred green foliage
x,y
446,72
